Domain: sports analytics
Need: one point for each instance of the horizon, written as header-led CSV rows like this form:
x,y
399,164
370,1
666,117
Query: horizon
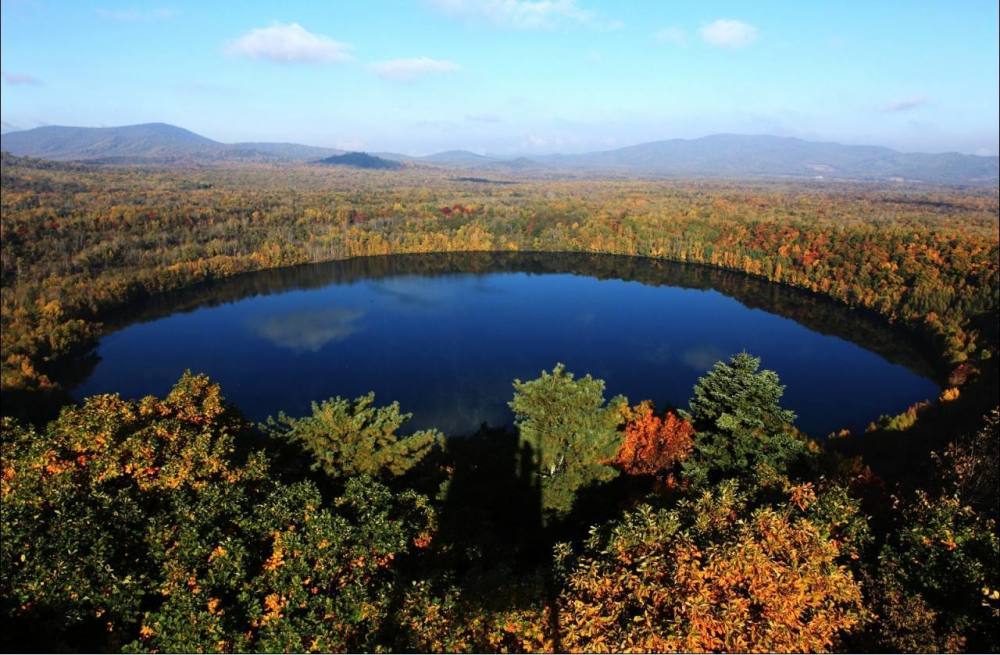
x,y
490,155
435,75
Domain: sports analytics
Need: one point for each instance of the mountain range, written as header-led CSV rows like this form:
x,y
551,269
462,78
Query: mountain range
x,y
718,156
146,143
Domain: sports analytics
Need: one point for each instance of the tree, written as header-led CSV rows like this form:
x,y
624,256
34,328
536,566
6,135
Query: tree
x,y
281,571
348,438
937,584
653,445
570,431
706,577
733,397
970,467
137,525
743,431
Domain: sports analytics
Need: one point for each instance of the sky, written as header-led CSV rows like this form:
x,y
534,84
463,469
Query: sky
x,y
510,76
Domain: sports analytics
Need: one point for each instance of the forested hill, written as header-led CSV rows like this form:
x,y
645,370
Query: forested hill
x,y
361,160
150,142
738,156
729,156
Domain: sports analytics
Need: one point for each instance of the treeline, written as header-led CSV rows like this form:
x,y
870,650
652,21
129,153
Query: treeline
x,y
166,525
79,241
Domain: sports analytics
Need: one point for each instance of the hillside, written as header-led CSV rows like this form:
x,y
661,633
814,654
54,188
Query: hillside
x,y
361,160
737,156
150,142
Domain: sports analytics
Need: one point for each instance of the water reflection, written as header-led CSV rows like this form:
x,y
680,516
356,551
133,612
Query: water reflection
x,y
701,358
307,330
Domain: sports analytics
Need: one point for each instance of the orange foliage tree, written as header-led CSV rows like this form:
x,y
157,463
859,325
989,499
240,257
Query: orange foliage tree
x,y
702,579
653,445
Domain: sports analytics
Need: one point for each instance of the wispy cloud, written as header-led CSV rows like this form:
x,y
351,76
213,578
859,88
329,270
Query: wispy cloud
x,y
133,15
20,79
289,43
905,104
525,14
728,33
407,70
672,36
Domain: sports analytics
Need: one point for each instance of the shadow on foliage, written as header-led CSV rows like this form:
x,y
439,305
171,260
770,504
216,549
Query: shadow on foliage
x,y
491,528
491,510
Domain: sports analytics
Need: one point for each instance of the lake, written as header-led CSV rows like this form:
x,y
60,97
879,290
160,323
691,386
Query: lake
x,y
446,334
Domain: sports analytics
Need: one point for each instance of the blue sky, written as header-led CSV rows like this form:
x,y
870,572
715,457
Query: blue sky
x,y
510,76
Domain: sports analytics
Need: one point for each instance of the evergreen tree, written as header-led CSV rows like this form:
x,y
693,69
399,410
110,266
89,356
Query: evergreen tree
x,y
743,432
735,397
570,430
348,438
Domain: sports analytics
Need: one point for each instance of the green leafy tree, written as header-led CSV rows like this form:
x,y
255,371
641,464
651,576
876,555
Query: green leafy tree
x,y
937,583
138,525
347,438
281,571
570,430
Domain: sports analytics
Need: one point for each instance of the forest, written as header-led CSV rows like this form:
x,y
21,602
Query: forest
x,y
595,524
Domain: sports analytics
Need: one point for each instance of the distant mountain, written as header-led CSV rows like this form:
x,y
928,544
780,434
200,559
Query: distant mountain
x,y
457,158
361,160
720,156
150,142
737,156
287,151
469,160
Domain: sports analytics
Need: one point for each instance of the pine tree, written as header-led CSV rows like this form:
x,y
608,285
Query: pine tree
x,y
569,430
348,438
742,428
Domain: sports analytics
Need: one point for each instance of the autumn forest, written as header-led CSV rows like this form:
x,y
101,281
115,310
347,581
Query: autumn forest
x,y
593,523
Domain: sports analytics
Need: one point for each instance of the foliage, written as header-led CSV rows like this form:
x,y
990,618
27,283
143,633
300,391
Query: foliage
x,y
742,429
282,572
138,522
569,431
706,577
653,445
148,525
935,584
348,438
970,467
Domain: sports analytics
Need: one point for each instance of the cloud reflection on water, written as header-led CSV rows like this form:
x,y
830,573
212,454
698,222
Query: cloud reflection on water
x,y
702,358
308,330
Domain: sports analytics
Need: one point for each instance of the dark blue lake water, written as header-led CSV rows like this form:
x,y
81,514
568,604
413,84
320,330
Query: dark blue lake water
x,y
447,344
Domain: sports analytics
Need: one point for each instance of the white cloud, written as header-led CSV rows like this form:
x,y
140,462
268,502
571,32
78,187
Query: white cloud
x,y
406,70
671,35
289,43
524,14
20,79
135,15
727,33
904,104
